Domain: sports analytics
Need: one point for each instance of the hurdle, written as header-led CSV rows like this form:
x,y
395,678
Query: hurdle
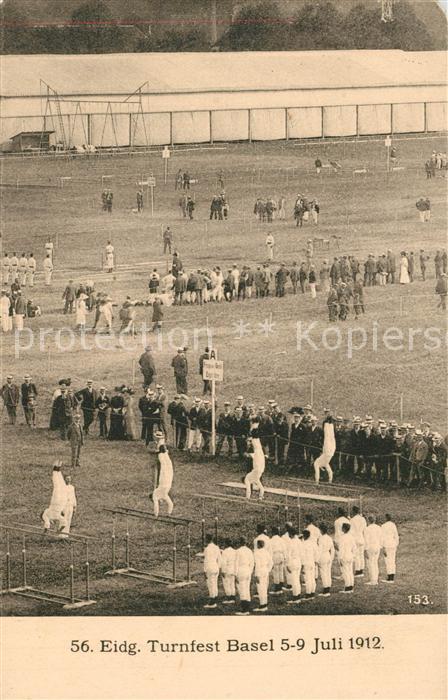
x,y
68,602
171,581
397,168
63,180
360,171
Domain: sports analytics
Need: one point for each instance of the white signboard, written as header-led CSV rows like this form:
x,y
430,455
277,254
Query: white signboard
x,y
151,181
388,142
213,370
166,152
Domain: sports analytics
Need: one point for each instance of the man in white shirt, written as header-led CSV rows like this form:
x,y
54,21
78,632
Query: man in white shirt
x,y
70,505
48,270
358,525
262,535
228,564
346,553
278,551
165,480
31,270
325,558
372,539
244,567
263,567
54,514
212,563
49,248
110,257
389,542
310,556
338,523
294,565
23,266
6,269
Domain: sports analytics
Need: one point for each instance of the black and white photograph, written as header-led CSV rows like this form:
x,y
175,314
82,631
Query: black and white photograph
x,y
223,317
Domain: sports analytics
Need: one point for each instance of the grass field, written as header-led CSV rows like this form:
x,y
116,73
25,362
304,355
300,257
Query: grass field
x,y
371,213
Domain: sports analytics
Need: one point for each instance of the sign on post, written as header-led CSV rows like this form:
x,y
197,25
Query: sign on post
x,y
388,144
213,371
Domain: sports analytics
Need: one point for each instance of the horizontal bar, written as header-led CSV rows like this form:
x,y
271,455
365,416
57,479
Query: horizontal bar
x,y
34,530
133,512
294,494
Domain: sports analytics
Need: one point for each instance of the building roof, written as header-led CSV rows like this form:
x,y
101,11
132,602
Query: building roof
x,y
121,74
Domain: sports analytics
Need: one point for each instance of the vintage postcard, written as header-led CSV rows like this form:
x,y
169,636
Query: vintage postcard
x,y
223,349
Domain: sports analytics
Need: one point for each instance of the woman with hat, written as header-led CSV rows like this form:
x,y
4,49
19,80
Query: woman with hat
x,y
129,422
117,408
81,310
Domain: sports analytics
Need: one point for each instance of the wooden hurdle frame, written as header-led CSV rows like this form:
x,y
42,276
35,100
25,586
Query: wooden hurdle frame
x,y
68,602
131,572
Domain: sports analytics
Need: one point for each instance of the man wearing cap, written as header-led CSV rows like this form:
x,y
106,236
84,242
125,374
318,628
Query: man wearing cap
x,y
281,433
10,395
179,364
225,429
296,452
162,399
165,476
266,431
69,296
384,447
418,456
102,405
194,433
147,366
207,389
75,435
204,423
240,428
87,398
28,395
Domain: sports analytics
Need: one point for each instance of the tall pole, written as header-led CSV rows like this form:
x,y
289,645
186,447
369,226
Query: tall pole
x,y
152,201
213,442
166,171
213,23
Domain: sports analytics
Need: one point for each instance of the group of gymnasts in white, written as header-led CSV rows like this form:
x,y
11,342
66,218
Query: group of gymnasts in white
x,y
297,561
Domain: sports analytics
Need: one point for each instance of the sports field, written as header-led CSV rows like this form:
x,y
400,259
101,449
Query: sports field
x,y
257,339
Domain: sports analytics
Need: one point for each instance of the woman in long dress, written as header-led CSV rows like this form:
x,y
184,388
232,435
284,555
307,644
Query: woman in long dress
x,y
328,450
81,310
116,429
404,269
130,428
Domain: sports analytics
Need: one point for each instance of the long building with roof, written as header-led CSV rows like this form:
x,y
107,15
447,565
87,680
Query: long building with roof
x,y
158,99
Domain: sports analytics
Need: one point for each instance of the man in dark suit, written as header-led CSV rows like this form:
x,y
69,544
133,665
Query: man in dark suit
x,y
29,394
87,398
102,405
241,429
69,297
10,395
296,451
75,435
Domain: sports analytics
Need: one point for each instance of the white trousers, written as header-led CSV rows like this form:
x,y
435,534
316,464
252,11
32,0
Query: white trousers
x,y
372,564
50,516
243,585
310,579
6,323
262,588
293,577
322,462
313,290
325,573
277,573
18,322
228,582
30,278
359,558
161,494
347,572
47,275
212,583
194,439
389,557
253,479
68,512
